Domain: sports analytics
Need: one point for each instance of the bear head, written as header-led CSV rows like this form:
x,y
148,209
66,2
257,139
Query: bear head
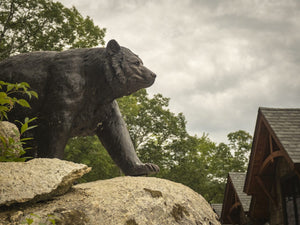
x,y
127,72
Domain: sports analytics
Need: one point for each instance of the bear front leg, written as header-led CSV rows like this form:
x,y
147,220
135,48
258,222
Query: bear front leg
x,y
53,134
113,134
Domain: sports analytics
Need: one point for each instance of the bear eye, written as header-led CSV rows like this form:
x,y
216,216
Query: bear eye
x,y
137,63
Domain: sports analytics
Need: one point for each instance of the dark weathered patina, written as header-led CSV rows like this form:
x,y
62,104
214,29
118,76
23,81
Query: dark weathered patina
x,y
77,91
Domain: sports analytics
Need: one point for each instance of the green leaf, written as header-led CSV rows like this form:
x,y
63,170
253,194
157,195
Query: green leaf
x,y
23,103
31,127
34,94
19,159
2,94
17,121
24,84
29,220
32,119
4,115
26,139
24,128
26,158
29,94
3,141
4,109
5,101
10,87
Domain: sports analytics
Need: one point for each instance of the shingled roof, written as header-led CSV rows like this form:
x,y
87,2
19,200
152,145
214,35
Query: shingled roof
x,y
236,203
238,181
285,124
217,207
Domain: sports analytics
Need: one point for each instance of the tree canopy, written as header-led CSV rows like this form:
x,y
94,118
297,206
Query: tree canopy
x,y
35,25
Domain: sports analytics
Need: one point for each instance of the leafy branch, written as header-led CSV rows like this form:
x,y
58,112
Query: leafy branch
x,y
7,101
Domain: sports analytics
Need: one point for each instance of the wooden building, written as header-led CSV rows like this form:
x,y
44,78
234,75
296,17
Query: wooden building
x,y
236,203
273,175
217,207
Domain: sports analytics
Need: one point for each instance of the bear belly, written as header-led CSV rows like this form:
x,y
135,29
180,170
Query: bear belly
x,y
87,120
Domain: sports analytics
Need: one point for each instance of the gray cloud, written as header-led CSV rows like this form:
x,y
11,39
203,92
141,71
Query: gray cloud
x,y
217,60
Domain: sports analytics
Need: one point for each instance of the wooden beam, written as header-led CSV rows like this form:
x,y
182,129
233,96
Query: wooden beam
x,y
227,199
271,145
262,185
235,197
270,159
230,220
249,177
259,146
234,206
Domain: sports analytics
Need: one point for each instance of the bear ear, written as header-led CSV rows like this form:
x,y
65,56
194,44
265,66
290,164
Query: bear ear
x,y
113,47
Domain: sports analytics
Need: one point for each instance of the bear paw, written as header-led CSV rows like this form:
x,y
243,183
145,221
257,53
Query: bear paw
x,y
143,169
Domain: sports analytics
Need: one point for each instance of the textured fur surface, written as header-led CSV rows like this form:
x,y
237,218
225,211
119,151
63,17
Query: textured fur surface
x,y
77,91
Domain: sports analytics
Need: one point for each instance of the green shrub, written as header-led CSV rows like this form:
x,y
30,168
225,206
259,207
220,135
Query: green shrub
x,y
7,101
11,150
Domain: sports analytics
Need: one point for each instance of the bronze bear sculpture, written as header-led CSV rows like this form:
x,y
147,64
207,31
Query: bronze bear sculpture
x,y
77,90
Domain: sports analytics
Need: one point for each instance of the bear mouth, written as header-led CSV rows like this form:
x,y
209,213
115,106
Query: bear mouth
x,y
143,79
138,77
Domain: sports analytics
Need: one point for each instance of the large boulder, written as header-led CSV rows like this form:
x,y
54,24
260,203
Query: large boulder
x,y
122,200
10,139
36,180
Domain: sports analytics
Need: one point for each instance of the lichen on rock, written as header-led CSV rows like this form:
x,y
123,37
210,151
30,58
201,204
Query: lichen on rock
x,y
178,212
154,194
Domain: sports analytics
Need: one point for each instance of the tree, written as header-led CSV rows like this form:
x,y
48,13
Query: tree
x,y
225,158
190,166
88,150
152,127
240,143
34,25
232,157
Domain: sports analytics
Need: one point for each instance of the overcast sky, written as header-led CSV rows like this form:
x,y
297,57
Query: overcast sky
x,y
217,60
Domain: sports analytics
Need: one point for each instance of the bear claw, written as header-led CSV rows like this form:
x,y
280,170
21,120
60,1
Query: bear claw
x,y
143,169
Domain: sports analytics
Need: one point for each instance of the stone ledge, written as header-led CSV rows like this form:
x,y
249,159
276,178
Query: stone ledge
x,y
38,179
